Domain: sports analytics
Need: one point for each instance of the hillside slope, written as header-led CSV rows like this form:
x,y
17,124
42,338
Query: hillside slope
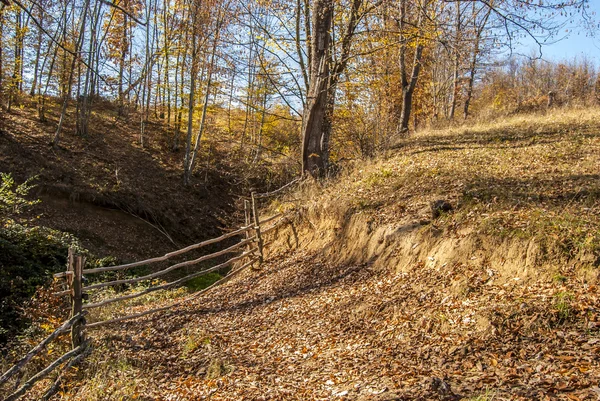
x,y
367,296
119,198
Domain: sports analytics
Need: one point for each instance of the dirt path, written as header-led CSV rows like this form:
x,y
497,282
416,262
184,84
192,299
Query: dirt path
x,y
302,329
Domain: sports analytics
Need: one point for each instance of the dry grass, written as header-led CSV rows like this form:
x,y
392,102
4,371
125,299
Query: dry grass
x,y
529,176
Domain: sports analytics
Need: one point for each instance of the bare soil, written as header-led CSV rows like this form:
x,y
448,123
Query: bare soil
x,y
119,198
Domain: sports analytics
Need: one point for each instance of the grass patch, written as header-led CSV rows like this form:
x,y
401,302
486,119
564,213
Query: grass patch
x,y
195,340
489,395
563,304
559,278
202,282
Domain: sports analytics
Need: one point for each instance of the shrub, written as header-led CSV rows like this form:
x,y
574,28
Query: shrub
x,y
28,258
12,196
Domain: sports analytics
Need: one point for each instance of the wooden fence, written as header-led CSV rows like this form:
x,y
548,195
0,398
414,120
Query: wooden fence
x,y
250,248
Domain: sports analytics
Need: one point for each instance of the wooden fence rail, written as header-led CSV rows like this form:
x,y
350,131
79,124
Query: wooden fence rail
x,y
39,376
252,245
168,255
269,219
275,226
167,285
39,348
169,269
171,306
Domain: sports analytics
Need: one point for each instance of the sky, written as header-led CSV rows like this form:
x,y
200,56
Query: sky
x,y
577,42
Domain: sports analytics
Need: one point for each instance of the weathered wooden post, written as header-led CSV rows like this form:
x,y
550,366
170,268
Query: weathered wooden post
x,y
257,228
76,263
247,217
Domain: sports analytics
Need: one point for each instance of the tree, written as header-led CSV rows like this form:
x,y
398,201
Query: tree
x,y
325,68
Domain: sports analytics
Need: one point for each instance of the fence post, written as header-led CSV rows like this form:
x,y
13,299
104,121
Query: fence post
x,y
76,263
247,220
257,227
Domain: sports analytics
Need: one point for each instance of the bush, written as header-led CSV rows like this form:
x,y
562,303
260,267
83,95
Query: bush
x,y
12,196
28,258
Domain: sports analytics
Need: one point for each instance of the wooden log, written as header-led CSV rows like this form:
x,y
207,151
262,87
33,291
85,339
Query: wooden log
x,y
74,361
275,192
40,347
77,298
271,218
274,226
29,384
165,286
195,295
167,270
168,255
62,274
248,220
257,228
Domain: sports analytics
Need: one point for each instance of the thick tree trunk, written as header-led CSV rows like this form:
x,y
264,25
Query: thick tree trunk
x,y
315,126
313,132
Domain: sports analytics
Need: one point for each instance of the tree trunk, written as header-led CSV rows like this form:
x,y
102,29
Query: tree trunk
x,y
408,84
124,48
261,129
18,60
1,52
456,54
188,143
470,87
315,127
38,52
69,81
210,71
408,89
473,67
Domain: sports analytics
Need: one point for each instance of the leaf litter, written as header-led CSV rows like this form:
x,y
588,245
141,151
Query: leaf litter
x,y
303,329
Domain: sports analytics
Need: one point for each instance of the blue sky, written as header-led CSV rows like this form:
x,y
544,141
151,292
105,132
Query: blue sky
x,y
577,42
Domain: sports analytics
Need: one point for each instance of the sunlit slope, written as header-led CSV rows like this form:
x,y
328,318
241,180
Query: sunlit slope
x,y
368,297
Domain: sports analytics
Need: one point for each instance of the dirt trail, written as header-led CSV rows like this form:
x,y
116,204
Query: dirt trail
x,y
304,329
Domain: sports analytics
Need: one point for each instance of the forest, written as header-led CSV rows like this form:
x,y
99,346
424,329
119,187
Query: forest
x,y
299,199
319,81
